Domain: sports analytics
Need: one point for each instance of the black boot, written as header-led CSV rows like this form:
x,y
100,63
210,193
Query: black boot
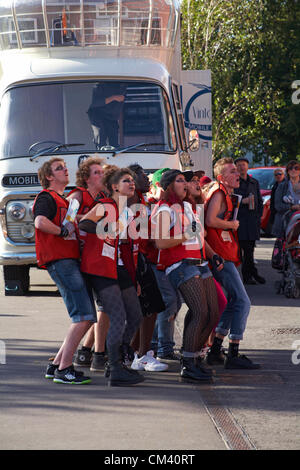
x,y
119,376
190,371
199,364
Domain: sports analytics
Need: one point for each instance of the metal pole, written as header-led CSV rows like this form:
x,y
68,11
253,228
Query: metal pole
x,y
13,11
119,22
47,34
150,22
82,23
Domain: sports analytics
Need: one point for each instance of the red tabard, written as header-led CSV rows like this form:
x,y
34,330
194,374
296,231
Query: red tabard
x,y
188,249
52,247
100,255
223,242
87,201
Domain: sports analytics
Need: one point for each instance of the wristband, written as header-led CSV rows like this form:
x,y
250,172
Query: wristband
x,y
217,261
64,232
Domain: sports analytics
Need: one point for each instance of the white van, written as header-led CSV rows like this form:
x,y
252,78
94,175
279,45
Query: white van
x,y
60,60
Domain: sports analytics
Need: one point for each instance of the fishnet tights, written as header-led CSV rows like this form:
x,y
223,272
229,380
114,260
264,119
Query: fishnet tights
x,y
200,295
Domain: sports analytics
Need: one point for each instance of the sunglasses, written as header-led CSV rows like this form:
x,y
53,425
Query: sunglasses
x,y
294,167
60,168
278,174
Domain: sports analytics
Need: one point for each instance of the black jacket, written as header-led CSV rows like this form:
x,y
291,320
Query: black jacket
x,y
249,228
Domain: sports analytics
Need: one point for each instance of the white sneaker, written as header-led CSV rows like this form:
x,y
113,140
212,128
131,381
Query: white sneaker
x,y
148,363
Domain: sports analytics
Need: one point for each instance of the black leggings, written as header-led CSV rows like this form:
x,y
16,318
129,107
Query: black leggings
x,y
122,307
200,295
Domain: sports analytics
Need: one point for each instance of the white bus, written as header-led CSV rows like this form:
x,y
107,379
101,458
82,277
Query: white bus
x,y
58,59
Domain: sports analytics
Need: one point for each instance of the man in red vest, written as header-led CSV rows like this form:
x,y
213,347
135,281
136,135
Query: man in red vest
x,y
57,249
221,226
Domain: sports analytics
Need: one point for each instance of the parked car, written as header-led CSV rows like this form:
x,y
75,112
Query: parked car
x,y
265,177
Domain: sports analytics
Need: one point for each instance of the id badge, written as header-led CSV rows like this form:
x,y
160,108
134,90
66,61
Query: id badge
x,y
226,236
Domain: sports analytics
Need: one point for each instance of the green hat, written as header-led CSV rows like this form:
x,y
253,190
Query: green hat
x,y
158,174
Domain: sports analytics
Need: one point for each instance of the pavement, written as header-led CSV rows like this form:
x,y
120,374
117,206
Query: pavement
x,y
240,410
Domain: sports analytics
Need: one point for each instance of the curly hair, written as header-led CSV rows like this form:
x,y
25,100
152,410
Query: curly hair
x,y
83,172
45,171
113,174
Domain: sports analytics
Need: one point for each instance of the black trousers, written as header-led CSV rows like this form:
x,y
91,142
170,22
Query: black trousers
x,y
247,252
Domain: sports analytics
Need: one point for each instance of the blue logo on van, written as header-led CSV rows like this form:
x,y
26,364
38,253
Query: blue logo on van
x,y
198,113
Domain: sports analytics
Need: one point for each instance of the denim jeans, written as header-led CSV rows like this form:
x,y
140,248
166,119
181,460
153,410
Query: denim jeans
x,y
77,295
163,334
186,271
234,317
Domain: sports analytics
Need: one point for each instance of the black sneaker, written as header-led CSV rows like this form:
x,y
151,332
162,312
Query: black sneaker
x,y
83,358
240,362
70,376
169,357
213,359
51,368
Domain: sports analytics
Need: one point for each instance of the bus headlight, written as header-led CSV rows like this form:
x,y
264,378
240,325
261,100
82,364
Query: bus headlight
x,y
16,211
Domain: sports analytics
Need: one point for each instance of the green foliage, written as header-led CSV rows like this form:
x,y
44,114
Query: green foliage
x,y
253,50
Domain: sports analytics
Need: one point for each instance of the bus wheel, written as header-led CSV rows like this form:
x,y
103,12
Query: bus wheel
x,y
16,280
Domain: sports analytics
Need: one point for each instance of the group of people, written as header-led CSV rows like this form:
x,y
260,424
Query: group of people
x,y
191,246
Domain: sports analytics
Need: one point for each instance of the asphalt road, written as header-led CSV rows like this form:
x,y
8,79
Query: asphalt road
x,y
239,410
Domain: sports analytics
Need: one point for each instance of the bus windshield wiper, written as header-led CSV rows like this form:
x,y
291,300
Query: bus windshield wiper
x,y
51,149
142,144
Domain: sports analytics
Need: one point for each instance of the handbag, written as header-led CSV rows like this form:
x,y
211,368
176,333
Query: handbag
x,y
150,298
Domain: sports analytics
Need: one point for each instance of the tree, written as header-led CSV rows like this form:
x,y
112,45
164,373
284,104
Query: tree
x,y
252,49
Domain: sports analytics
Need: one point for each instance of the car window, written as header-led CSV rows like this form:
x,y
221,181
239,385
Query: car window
x,y
264,176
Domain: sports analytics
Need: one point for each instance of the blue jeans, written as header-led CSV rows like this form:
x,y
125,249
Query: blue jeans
x,y
234,317
77,295
163,334
186,271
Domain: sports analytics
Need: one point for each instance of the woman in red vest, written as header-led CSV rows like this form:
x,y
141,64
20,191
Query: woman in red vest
x,y
179,237
89,188
108,266
196,198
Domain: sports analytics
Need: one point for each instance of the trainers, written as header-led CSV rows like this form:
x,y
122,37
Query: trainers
x,y
239,362
51,368
98,362
70,376
169,357
83,358
148,363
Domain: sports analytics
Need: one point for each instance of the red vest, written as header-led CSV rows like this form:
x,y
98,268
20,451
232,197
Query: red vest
x,y
188,249
223,242
53,247
87,203
100,254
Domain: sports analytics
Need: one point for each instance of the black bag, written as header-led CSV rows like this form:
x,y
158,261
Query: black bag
x,y
150,299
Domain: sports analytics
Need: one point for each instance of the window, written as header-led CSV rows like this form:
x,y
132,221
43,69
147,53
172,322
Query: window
x,y
83,113
27,28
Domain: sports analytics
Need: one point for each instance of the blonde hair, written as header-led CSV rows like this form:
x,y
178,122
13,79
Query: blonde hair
x,y
45,171
84,170
219,166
